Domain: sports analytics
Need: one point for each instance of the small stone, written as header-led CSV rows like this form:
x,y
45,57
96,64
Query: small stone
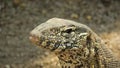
x,y
74,15
89,17
7,66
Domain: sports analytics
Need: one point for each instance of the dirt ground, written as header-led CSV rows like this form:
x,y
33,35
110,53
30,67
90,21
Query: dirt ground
x,y
19,17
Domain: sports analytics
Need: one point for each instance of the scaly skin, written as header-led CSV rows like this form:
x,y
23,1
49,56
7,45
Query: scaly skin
x,y
75,44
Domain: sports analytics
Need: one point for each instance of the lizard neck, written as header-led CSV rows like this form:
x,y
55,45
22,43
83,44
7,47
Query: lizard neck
x,y
79,58
89,55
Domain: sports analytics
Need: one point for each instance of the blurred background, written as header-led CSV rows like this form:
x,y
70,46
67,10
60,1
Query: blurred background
x,y
19,17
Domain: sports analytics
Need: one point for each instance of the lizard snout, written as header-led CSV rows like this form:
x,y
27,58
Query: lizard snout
x,y
34,39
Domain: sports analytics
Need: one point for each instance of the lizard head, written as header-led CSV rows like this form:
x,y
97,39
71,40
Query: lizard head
x,y
59,35
72,42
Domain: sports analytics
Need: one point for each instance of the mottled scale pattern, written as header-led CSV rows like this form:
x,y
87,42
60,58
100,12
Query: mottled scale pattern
x,y
75,44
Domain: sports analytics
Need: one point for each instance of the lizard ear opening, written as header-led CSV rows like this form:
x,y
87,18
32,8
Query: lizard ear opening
x,y
89,39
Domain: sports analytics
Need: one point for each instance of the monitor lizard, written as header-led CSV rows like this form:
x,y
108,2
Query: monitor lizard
x,y
75,44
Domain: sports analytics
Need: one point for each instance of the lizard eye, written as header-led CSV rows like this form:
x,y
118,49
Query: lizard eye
x,y
68,30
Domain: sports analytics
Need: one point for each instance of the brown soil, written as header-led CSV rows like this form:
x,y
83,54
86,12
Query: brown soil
x,y
19,17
